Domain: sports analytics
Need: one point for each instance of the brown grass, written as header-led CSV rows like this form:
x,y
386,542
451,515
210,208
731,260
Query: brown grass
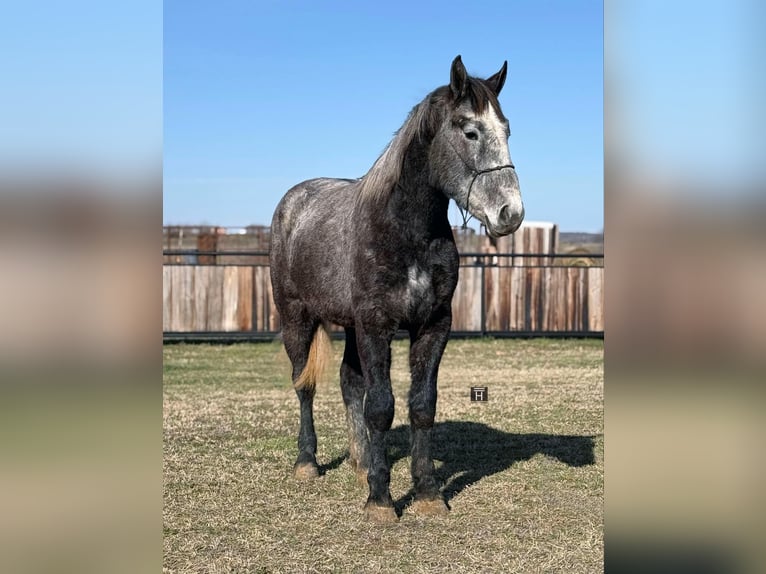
x,y
522,473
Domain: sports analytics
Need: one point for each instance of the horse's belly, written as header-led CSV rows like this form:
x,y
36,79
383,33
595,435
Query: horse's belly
x,y
326,295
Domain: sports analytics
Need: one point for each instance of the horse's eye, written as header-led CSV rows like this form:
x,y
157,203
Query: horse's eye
x,y
471,135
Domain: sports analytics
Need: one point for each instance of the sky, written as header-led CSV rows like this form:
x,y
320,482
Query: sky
x,y
259,96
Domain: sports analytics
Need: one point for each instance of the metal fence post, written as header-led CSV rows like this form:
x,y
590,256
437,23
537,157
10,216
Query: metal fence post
x,y
483,298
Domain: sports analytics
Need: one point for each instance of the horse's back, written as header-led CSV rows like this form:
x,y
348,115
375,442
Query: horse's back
x,y
307,201
310,259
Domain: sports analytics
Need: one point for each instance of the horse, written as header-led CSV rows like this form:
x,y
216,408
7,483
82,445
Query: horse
x,y
377,254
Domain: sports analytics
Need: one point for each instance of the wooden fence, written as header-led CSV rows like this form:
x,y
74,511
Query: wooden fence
x,y
489,299
515,285
542,299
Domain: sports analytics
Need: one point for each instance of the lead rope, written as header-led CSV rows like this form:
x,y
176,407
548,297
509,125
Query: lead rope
x,y
466,215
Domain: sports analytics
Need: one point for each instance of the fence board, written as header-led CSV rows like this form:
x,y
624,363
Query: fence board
x,y
561,299
258,299
200,295
215,298
492,297
466,304
571,297
167,297
518,299
499,298
578,303
183,298
506,293
534,298
547,299
245,299
230,298
596,298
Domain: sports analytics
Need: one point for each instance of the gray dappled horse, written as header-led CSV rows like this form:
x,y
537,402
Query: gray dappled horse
x,y
377,254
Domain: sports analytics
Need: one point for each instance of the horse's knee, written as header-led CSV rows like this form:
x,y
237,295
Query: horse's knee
x,y
379,410
422,419
422,412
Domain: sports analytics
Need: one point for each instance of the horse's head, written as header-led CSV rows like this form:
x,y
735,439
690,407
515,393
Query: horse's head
x,y
469,154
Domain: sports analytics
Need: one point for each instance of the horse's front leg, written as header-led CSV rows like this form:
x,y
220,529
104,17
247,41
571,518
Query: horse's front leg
x,y
375,356
427,345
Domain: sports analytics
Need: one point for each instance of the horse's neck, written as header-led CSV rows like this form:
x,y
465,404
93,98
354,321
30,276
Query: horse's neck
x,y
419,207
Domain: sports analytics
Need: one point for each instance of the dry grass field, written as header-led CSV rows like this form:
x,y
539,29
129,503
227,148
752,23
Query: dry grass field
x,y
522,473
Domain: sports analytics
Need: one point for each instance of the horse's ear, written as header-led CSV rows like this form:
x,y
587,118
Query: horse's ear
x,y
458,78
497,81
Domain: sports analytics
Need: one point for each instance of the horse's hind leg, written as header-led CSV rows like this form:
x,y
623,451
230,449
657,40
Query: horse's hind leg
x,y
352,387
297,337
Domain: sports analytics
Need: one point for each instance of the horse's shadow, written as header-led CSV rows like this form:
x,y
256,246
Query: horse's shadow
x,y
471,451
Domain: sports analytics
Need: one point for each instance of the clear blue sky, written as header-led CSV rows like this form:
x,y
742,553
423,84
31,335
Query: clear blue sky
x,y
259,96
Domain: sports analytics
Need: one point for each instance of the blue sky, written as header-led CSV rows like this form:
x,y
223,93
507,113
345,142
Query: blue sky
x,y
259,96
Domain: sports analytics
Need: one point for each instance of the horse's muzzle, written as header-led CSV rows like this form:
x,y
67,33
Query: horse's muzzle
x,y
508,220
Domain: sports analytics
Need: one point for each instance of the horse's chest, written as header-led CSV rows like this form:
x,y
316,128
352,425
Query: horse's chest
x,y
419,289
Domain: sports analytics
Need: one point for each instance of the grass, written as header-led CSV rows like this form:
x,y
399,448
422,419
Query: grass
x,y
522,473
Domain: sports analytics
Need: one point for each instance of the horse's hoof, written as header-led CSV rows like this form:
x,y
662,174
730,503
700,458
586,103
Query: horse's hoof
x,y
380,514
305,471
430,507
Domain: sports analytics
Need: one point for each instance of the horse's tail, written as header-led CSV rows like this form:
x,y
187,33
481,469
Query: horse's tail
x,y
320,354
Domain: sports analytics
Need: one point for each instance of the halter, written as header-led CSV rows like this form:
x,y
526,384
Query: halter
x,y
468,217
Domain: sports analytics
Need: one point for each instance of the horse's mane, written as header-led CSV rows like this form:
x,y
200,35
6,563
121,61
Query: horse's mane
x,y
421,124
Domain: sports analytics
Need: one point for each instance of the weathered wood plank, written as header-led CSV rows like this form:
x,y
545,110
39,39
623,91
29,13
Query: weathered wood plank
x,y
518,298
534,299
596,298
167,298
580,303
245,299
199,298
572,274
550,307
504,282
183,298
492,298
215,298
498,289
547,287
258,304
466,304
230,298
560,274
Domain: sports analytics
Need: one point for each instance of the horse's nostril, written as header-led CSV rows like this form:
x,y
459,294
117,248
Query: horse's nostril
x,y
504,217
